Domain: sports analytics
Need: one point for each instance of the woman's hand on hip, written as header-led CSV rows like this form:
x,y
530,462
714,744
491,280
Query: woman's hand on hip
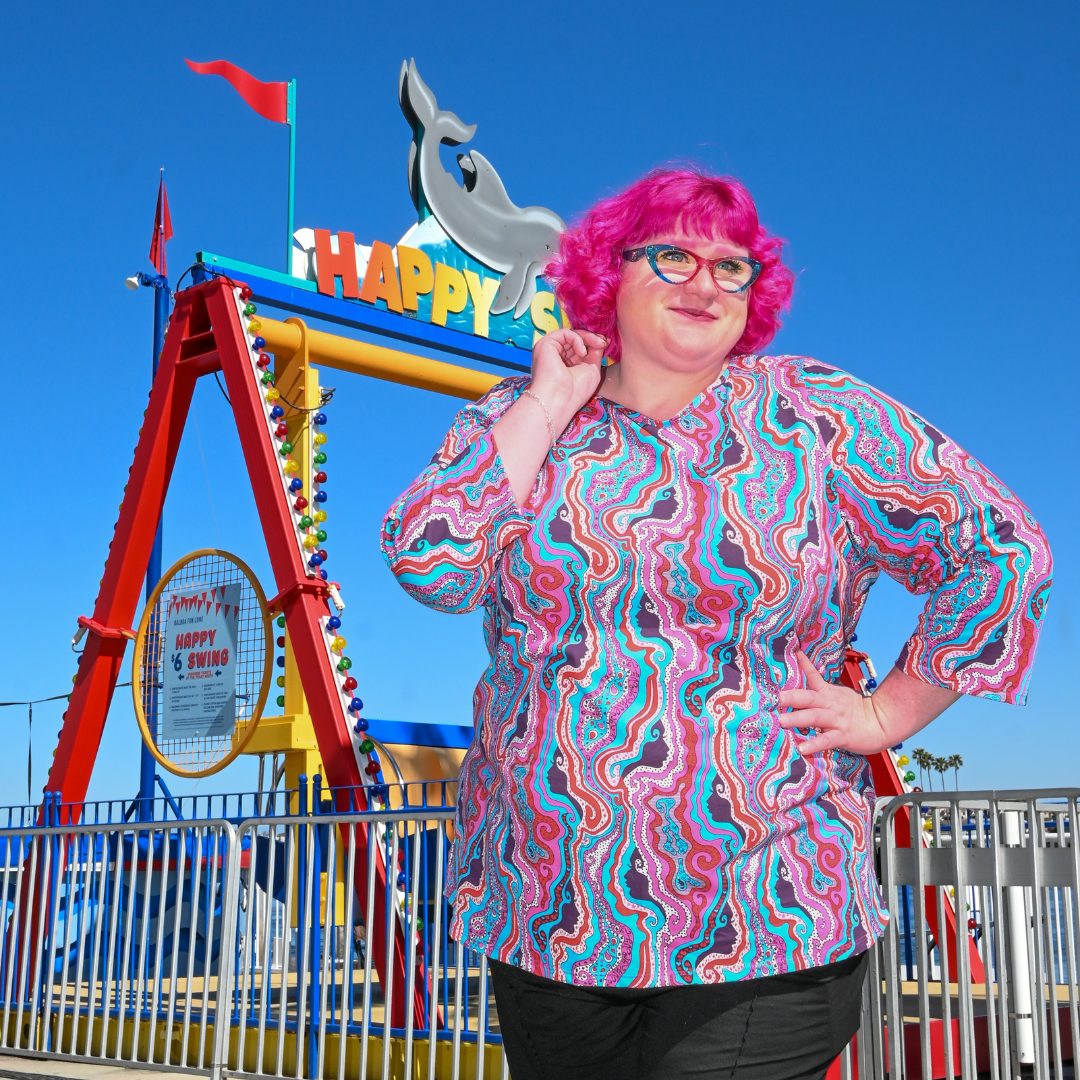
x,y
566,366
845,720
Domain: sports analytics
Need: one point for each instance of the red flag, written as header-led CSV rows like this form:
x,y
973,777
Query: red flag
x,y
162,229
269,99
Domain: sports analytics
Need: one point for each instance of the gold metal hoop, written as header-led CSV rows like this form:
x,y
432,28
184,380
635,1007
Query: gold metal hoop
x,y
198,756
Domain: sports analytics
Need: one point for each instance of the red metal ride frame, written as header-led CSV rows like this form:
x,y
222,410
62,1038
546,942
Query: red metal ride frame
x,y
205,335
887,782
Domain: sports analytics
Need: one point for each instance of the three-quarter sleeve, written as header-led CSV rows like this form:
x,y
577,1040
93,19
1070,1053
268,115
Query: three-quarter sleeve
x,y
443,537
918,507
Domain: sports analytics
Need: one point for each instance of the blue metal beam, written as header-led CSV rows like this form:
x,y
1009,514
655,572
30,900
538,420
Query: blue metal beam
x,y
301,297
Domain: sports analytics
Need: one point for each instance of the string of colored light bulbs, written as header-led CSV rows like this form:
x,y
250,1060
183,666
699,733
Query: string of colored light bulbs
x,y
309,522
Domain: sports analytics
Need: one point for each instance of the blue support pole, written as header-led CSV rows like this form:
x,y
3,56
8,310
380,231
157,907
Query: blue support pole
x,y
147,764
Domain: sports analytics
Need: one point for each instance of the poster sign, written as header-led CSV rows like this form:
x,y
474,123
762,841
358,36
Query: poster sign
x,y
199,698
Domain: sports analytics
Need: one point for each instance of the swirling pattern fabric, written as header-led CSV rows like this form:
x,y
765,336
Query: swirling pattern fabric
x,y
630,812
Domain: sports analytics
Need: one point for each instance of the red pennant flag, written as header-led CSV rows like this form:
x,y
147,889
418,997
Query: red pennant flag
x,y
162,229
269,99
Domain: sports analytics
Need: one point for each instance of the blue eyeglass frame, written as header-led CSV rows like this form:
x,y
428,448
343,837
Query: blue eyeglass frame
x,y
652,250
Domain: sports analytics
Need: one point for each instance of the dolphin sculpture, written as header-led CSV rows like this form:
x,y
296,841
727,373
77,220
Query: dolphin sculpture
x,y
476,214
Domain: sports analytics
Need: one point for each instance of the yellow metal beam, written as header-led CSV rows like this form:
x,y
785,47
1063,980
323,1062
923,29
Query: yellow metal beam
x,y
284,339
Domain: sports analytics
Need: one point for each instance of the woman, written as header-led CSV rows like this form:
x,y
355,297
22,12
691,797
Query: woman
x,y
664,829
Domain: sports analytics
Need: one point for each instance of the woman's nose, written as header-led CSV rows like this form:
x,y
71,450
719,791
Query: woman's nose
x,y
703,283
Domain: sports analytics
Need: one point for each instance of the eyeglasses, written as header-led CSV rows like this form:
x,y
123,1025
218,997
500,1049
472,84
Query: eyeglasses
x,y
676,266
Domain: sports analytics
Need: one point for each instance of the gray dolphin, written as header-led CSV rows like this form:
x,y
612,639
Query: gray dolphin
x,y
479,216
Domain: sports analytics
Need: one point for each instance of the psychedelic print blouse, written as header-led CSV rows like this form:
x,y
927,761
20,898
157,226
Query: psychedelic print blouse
x,y
630,812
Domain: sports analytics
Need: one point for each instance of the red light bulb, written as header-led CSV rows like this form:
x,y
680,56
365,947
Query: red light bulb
x,y
301,502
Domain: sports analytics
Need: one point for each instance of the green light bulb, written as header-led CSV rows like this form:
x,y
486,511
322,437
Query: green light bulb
x,y
281,701
321,536
306,522
281,620
320,458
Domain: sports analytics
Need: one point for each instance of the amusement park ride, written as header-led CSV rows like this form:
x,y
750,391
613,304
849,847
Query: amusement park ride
x,y
463,281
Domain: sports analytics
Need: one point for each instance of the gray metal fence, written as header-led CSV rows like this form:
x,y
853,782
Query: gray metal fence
x,y
317,945
1004,869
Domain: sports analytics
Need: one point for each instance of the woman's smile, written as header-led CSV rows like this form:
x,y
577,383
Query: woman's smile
x,y
695,314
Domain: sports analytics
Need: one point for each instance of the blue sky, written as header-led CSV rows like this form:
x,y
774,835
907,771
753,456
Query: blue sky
x,y
921,160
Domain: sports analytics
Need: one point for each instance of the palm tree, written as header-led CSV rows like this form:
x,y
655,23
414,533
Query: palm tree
x,y
957,763
922,759
940,765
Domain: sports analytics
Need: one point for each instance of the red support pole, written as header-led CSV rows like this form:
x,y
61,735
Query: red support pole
x,y
887,782
304,603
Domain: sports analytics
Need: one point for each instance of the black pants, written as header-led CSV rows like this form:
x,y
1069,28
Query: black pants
x,y
783,1027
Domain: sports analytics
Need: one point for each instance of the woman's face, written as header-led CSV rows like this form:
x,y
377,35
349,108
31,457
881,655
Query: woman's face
x,y
682,327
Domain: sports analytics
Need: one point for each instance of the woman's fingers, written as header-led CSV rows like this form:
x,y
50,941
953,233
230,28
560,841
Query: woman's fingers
x,y
573,347
813,677
819,718
818,744
799,699
593,348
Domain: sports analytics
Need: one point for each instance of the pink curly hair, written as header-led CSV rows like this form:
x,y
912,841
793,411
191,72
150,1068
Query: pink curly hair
x,y
587,269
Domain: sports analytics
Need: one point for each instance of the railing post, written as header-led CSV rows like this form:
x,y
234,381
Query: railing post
x,y
230,905
1019,961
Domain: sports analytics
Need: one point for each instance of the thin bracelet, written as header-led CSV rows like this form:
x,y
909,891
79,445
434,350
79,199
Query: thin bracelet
x,y
547,416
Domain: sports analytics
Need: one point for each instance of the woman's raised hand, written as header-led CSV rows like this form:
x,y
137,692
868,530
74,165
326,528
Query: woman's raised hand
x,y
566,373
566,366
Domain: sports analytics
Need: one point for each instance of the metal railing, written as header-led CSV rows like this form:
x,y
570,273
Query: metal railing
x,y
1004,868
117,942
317,945
312,945
234,806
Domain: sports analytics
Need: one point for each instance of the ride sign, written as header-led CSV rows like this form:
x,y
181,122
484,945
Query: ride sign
x,y
199,699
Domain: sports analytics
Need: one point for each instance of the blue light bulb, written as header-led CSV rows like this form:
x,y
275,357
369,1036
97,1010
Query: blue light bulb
x,y
315,559
296,484
277,412
356,704
322,574
360,725
320,496
259,343
320,418
333,622
281,661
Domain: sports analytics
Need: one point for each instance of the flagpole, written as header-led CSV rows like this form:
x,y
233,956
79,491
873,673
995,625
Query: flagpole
x,y
291,120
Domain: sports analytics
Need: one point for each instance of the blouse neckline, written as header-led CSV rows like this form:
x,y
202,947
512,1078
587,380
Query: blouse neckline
x,y
648,421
